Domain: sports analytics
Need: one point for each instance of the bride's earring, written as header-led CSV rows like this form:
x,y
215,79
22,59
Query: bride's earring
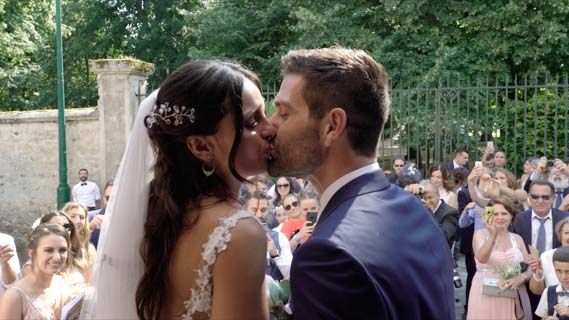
x,y
208,172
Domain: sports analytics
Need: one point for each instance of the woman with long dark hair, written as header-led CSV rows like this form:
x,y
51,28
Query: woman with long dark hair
x,y
203,256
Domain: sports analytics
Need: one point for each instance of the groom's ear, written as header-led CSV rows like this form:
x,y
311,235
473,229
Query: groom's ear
x,y
334,125
201,147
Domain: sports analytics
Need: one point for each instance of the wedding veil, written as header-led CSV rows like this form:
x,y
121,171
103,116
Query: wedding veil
x,y
119,266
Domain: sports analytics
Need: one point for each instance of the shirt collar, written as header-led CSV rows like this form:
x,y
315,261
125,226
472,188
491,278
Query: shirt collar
x,y
456,165
560,288
438,206
342,181
533,215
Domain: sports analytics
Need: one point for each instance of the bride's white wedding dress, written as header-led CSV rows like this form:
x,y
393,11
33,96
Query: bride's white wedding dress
x,y
201,295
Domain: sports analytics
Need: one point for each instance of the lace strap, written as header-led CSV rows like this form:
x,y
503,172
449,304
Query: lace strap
x,y
220,236
200,300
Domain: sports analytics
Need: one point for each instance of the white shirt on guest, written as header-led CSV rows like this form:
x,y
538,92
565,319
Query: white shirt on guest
x,y
456,165
284,260
541,309
548,230
14,262
86,193
342,181
548,269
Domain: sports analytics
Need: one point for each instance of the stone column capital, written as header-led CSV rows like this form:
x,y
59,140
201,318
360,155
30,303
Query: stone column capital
x,y
127,66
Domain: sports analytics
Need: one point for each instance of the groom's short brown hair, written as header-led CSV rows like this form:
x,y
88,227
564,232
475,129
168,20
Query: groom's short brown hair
x,y
349,79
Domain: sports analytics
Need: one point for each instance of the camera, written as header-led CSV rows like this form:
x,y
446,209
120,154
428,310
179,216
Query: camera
x,y
550,163
456,277
489,211
421,194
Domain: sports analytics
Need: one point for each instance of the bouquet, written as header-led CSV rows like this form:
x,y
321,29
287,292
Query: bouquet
x,y
509,271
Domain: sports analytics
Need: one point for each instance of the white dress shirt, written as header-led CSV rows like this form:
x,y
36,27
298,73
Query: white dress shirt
x,y
548,230
342,181
284,260
548,269
86,193
14,262
541,309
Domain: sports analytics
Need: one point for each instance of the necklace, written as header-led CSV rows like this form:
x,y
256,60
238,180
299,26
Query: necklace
x,y
501,242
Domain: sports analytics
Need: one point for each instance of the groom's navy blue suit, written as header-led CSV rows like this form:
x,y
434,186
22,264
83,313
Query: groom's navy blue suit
x,y
376,253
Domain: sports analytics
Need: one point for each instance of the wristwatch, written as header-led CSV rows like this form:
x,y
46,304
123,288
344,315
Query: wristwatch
x,y
276,255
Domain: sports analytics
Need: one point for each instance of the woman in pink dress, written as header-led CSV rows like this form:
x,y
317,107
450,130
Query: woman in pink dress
x,y
494,246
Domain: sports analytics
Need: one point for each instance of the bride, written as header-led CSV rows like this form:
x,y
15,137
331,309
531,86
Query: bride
x,y
203,256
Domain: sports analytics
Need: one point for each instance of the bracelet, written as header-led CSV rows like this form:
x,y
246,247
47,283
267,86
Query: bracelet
x,y
538,279
491,241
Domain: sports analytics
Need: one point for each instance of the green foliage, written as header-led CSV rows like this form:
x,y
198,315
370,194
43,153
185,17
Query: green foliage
x,y
419,42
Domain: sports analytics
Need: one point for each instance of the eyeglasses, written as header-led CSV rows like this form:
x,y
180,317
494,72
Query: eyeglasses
x,y
543,197
294,204
281,186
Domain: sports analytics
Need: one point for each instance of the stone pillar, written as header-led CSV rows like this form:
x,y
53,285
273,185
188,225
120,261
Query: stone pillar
x,y
122,86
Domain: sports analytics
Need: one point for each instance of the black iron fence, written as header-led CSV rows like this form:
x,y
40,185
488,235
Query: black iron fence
x,y
524,116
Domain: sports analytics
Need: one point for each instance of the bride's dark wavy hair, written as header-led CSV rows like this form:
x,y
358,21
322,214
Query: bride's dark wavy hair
x,y
214,89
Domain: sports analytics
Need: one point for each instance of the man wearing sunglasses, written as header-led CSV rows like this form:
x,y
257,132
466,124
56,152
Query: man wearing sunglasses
x,y
375,252
397,168
537,224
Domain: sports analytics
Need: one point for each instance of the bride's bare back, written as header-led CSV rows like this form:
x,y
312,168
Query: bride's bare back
x,y
236,253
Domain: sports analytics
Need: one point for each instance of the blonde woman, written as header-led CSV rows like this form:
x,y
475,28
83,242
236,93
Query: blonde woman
x,y
84,253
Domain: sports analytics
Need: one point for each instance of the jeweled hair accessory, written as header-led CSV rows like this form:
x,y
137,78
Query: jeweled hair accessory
x,y
168,113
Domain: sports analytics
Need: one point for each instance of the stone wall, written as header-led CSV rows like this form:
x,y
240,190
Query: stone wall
x,y
96,138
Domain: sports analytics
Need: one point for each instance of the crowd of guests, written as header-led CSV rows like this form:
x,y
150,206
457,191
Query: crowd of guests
x,y
61,250
498,221
508,229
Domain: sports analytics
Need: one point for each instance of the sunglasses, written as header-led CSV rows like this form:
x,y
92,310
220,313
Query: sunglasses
x,y
69,226
294,204
107,198
543,197
280,186
398,165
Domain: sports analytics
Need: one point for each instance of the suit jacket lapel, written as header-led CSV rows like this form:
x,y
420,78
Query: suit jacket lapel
x,y
366,183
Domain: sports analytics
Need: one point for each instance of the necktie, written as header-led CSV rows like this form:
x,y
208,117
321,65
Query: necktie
x,y
541,235
559,199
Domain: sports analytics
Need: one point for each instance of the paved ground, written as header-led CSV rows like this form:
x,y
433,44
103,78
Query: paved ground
x,y
460,293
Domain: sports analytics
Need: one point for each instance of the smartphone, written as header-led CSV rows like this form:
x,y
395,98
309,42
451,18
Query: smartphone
x,y
489,211
478,163
490,144
311,217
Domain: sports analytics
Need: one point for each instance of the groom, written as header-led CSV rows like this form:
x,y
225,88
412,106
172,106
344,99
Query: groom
x,y
375,252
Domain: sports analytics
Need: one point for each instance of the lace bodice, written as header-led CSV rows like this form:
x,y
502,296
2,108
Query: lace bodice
x,y
201,294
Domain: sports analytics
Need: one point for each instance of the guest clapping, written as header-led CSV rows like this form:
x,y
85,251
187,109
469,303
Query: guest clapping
x,y
9,263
